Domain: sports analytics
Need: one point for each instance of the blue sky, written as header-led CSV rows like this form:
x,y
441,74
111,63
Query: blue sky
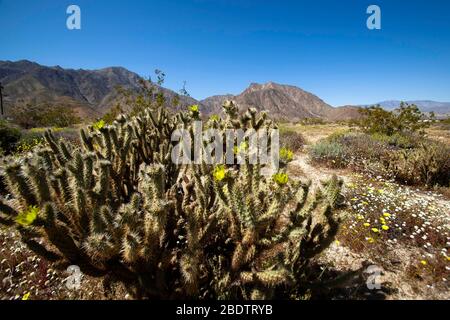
x,y
218,47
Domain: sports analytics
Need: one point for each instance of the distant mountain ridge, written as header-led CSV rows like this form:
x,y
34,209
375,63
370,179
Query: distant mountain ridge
x,y
93,92
90,92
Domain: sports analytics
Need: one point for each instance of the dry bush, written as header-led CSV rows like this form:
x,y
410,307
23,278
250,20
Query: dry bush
x,y
427,165
292,140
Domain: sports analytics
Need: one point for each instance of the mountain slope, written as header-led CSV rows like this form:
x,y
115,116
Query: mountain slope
x,y
283,102
90,92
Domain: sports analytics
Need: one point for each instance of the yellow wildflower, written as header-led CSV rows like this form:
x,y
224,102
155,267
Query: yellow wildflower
x,y
387,215
27,217
219,173
375,230
384,227
370,240
280,178
26,296
286,155
194,108
424,262
360,217
366,224
99,124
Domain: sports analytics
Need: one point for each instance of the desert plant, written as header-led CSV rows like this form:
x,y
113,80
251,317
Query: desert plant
x,y
428,164
406,119
118,207
328,152
291,139
9,136
44,115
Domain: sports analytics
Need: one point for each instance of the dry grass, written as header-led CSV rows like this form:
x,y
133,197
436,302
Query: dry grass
x,y
313,133
439,133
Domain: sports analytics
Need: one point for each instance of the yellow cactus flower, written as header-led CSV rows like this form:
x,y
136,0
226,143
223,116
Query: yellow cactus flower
x,y
194,108
214,117
219,173
27,217
241,148
286,155
280,178
99,124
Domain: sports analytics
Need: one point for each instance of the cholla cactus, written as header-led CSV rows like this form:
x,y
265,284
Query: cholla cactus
x,y
118,207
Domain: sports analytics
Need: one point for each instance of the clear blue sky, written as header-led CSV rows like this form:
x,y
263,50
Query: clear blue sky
x,y
221,46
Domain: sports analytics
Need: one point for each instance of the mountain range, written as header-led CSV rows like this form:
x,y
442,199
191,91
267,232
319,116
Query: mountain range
x,y
92,92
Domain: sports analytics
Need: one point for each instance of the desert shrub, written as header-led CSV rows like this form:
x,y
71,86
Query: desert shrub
x,y
9,136
312,121
28,142
429,165
291,139
358,151
405,120
44,115
119,208
403,141
328,152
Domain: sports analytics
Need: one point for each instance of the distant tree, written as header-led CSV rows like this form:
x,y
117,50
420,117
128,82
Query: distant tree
x,y
406,119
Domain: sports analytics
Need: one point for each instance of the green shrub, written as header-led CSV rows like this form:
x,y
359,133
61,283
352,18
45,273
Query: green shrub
x,y
9,136
405,120
328,152
28,142
403,141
